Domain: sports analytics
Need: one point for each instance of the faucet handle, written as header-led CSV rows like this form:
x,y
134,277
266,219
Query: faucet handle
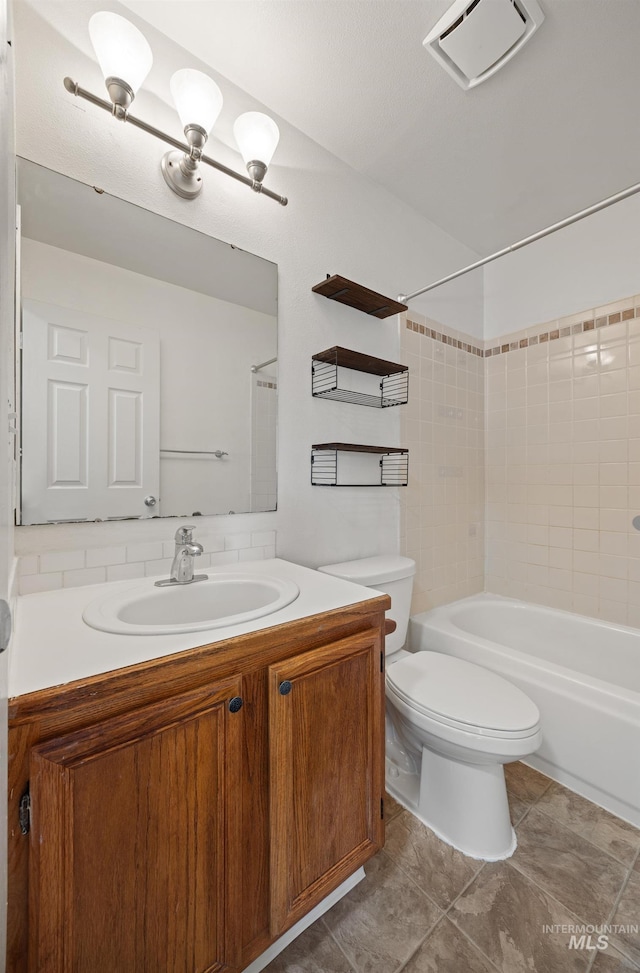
x,y
184,535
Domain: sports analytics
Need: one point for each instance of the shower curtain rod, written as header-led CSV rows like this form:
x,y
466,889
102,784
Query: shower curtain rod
x,y
256,368
603,204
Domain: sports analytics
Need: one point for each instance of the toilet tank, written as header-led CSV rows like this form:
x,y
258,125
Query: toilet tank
x,y
389,573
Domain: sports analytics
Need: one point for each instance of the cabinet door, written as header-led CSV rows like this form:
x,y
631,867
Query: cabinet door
x,y
326,726
135,841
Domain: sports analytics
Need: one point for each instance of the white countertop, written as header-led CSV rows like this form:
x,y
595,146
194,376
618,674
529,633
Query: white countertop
x,y
52,645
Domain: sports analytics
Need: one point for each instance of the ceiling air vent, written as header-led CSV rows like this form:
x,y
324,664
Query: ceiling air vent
x,y
474,39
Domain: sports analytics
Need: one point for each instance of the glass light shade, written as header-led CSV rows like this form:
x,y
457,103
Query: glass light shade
x,y
197,98
257,136
122,51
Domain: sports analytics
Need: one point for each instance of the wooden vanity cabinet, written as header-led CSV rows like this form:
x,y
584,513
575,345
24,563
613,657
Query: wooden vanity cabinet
x,y
326,768
173,830
134,833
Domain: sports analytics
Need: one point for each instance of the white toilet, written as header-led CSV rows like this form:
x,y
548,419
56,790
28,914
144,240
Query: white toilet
x,y
450,726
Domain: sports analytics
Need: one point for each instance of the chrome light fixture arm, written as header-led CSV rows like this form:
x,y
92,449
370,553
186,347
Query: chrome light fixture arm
x,y
191,152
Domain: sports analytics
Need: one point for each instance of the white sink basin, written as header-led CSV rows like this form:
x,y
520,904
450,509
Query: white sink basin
x,y
223,599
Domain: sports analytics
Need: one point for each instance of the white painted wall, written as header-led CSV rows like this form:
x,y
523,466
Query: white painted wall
x,y
336,222
586,265
7,277
454,305
207,348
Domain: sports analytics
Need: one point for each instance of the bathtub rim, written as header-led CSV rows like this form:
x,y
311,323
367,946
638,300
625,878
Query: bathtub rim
x,y
441,620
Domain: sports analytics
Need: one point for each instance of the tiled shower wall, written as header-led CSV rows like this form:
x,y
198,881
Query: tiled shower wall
x,y
563,463
442,509
264,436
554,413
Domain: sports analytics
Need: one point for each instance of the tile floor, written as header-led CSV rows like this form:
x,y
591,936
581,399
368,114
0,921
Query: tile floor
x,y
425,908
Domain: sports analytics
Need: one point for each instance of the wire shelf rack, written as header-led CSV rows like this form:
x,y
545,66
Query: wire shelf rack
x,y
332,378
326,470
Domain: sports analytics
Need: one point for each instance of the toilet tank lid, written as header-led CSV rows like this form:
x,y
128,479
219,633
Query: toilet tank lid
x,y
373,570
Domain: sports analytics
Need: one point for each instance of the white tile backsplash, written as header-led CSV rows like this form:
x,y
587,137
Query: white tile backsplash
x,y
104,556
74,579
152,551
264,538
62,561
224,557
162,566
125,572
235,542
66,569
29,584
29,565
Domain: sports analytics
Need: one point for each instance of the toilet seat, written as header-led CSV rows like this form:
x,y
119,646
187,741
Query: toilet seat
x,y
468,698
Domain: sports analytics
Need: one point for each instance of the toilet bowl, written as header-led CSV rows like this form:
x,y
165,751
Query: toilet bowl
x,y
450,727
460,723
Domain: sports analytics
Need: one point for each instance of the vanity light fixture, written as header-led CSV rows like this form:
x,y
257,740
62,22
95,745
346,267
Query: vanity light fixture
x,y
125,59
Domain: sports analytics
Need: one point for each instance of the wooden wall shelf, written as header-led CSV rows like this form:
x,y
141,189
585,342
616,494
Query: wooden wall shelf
x,y
345,291
393,466
328,383
358,448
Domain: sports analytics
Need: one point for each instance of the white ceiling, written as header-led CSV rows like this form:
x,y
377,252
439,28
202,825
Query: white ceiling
x,y
557,129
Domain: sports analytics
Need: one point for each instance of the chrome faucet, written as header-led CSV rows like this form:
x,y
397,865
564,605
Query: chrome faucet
x,y
182,567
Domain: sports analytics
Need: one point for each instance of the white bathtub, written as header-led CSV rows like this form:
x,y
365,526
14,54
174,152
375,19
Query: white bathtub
x,y
583,674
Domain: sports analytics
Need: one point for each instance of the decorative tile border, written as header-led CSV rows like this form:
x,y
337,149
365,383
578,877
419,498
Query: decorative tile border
x,y
561,331
591,324
446,339
266,385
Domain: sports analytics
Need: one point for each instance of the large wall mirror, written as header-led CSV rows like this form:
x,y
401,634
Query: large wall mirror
x,y
148,364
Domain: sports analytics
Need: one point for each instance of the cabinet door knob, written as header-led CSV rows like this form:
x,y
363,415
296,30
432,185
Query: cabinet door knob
x,y
235,704
284,688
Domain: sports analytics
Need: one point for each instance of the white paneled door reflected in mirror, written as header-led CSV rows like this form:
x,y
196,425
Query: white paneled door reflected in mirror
x,y
140,341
